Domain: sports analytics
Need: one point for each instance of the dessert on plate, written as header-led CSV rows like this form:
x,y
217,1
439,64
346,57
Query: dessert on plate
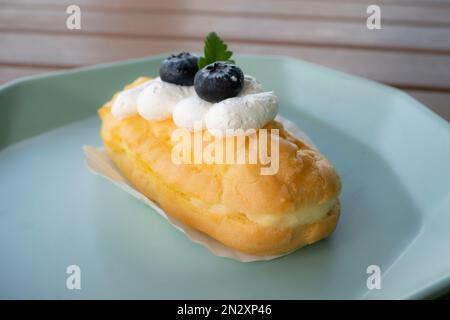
x,y
201,140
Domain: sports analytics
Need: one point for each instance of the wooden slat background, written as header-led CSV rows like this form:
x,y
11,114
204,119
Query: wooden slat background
x,y
410,52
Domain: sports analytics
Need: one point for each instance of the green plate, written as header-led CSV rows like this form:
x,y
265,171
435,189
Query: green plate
x,y
392,153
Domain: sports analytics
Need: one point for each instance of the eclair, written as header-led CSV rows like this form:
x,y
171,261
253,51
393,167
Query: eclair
x,y
171,137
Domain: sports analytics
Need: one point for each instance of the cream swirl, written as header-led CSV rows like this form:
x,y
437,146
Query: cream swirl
x,y
190,113
236,115
125,103
159,100
251,109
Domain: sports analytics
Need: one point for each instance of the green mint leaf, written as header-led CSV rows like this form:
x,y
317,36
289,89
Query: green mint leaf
x,y
215,50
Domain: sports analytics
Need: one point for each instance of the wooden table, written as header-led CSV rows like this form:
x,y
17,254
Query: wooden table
x,y
410,52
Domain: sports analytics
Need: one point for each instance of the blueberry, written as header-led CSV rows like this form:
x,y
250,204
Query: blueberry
x,y
218,81
179,69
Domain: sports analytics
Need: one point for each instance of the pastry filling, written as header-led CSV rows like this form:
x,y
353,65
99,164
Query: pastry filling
x,y
304,215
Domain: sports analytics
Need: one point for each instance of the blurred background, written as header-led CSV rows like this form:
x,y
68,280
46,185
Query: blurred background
x,y
410,52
